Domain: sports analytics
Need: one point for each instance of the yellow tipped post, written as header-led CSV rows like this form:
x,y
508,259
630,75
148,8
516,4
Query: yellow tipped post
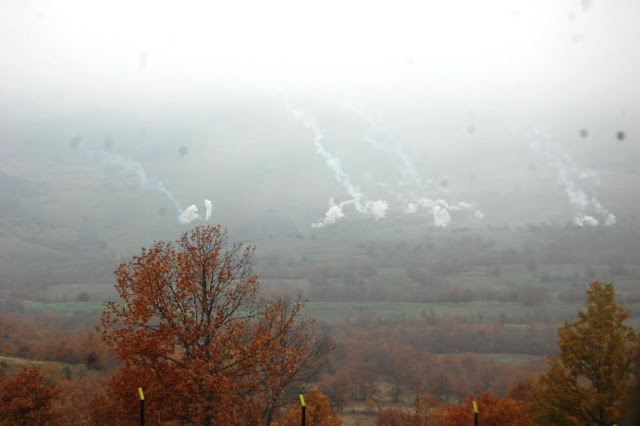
x,y
475,412
303,421
141,395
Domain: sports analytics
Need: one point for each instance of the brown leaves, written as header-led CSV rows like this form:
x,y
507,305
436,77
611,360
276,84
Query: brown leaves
x,y
26,399
192,330
318,412
492,411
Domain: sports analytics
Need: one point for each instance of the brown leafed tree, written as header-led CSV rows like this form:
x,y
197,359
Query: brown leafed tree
x,y
318,412
492,411
26,399
589,382
192,330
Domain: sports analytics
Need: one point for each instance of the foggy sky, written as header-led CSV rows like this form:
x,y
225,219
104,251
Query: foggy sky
x,y
415,104
84,54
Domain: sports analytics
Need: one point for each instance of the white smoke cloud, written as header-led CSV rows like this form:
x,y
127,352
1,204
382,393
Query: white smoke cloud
x,y
208,207
331,216
610,220
441,216
189,214
479,215
379,209
568,176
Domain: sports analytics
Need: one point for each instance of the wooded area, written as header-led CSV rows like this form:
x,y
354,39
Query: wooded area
x,y
193,327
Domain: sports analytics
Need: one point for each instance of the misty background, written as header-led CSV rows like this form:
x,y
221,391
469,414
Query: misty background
x,y
306,119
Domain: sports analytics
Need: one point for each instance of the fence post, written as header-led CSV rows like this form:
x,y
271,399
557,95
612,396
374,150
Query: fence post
x,y
475,413
141,395
304,409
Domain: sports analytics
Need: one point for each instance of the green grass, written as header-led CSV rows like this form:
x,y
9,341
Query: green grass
x,y
70,292
67,308
336,312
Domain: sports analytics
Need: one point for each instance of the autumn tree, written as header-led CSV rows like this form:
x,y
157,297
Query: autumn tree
x,y
318,412
492,411
192,330
590,380
27,399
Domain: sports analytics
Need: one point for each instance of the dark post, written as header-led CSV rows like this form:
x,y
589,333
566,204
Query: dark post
x,y
141,406
475,413
304,409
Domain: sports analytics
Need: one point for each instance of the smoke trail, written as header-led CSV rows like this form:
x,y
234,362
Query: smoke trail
x,y
379,139
568,174
208,207
377,208
111,159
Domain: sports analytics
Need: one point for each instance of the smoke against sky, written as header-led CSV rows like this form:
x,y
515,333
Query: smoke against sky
x,y
112,159
376,208
583,203
413,139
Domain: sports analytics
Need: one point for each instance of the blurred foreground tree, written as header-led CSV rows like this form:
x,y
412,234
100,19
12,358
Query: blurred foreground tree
x,y
26,399
318,412
492,411
192,330
590,381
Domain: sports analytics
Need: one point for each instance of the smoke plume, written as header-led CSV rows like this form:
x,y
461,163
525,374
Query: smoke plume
x,y
189,214
583,206
412,182
377,208
111,159
208,207
333,213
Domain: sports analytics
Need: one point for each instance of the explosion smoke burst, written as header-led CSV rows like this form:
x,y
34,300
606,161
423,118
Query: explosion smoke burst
x,y
189,214
568,176
333,213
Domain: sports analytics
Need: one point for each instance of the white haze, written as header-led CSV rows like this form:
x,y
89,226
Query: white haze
x,y
388,110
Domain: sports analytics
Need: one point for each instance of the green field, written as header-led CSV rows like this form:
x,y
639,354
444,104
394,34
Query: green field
x,y
65,308
336,312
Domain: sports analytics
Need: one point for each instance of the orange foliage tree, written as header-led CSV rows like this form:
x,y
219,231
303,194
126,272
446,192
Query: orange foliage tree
x,y
590,381
192,330
26,399
318,412
492,411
